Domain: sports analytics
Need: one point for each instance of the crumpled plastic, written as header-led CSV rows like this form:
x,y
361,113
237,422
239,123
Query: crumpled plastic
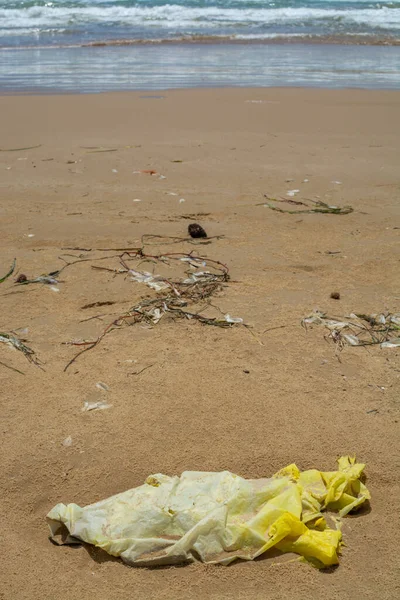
x,y
219,517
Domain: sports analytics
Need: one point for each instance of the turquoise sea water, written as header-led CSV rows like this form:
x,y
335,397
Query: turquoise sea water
x,y
63,22
97,45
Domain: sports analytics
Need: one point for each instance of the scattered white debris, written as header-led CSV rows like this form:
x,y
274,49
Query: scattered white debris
x,y
101,405
171,194
155,282
54,288
306,180
114,170
337,182
136,200
230,319
102,386
361,327
194,262
351,339
395,343
162,177
182,200
195,277
291,193
67,442
156,314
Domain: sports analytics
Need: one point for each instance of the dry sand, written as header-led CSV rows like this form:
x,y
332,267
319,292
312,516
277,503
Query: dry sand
x,y
197,407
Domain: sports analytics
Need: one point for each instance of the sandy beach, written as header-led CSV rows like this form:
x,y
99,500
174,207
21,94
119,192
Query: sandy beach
x,y
187,396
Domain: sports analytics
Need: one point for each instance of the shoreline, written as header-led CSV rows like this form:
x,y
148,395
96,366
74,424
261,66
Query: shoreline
x,y
199,65
292,39
158,93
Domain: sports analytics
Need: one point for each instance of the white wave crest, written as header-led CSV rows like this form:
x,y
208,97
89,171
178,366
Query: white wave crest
x,y
178,17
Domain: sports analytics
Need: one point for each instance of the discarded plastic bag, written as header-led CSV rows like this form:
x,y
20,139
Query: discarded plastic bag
x,y
219,517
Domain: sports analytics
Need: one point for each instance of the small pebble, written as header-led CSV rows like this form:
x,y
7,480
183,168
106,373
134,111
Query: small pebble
x,y
335,296
196,231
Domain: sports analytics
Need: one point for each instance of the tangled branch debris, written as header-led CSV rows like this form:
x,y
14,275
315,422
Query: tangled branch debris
x,y
175,297
18,344
49,279
361,330
317,206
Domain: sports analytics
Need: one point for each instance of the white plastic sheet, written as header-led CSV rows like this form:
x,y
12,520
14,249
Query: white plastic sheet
x,y
219,517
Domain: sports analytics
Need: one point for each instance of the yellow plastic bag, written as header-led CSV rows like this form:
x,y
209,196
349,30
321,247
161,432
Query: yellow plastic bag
x,y
219,517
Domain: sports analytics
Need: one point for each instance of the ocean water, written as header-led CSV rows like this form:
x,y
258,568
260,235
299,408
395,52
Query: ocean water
x,y
76,22
97,45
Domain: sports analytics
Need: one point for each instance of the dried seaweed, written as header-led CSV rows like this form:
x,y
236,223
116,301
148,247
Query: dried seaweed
x,y
175,297
10,272
358,329
48,279
14,342
100,303
11,368
319,207
19,149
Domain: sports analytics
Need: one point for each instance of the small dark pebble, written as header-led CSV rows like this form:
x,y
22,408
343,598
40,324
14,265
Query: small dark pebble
x,y
21,278
335,295
196,231
246,371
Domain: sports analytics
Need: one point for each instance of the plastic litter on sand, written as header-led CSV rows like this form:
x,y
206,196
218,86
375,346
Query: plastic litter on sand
x,y
219,517
102,405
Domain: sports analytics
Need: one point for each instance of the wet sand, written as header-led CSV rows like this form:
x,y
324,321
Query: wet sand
x,y
208,398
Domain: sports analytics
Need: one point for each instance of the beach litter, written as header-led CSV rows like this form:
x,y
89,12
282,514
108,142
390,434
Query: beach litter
x,y
18,344
174,296
220,517
358,329
230,319
317,206
49,279
100,405
145,172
